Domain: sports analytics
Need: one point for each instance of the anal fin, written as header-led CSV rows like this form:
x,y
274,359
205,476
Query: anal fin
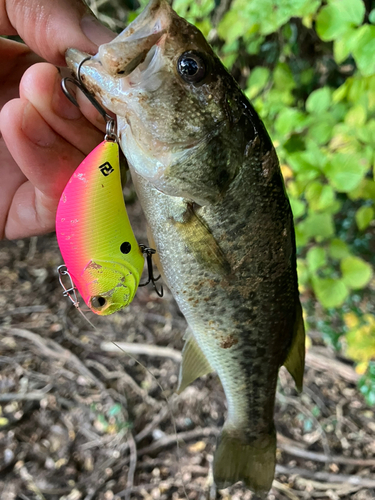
x,y
295,361
194,363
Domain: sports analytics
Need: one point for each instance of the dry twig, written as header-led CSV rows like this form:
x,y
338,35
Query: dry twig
x,y
284,489
330,365
320,457
124,378
142,349
132,466
353,480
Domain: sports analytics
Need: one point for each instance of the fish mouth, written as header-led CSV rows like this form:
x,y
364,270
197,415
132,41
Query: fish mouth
x,y
131,48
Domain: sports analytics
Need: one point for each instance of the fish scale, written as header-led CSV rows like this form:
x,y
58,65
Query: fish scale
x,y
210,185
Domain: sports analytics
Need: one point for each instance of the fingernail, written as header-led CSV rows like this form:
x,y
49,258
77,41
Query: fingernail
x,y
61,105
35,128
95,31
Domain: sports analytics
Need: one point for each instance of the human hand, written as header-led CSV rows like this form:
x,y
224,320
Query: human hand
x,y
44,136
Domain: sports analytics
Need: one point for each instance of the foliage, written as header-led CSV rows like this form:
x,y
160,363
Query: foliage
x,y
308,67
367,384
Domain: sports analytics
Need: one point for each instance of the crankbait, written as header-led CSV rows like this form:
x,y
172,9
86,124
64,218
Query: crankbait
x,y
102,257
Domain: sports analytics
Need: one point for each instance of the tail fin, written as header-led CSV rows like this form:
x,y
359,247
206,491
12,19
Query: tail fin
x,y
238,460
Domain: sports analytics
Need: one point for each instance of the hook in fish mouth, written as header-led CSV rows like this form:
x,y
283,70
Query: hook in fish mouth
x,y
140,54
130,48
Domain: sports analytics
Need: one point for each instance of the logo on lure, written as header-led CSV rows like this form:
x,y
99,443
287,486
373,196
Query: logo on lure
x,y
106,169
102,257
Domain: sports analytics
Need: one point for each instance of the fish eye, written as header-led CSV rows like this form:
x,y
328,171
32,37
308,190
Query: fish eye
x,y
98,302
125,247
191,67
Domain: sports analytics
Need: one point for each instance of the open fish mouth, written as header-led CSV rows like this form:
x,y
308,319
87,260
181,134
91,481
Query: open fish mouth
x,y
142,72
136,48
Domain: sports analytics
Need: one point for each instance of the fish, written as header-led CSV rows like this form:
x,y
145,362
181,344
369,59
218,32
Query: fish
x,y
209,182
94,234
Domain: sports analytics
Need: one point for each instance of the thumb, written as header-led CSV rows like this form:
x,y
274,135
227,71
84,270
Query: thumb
x,y
49,27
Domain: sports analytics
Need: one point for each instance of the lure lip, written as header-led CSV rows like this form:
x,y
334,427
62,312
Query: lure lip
x,y
126,286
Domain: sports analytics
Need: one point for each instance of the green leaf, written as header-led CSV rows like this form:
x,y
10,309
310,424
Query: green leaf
x,y
366,190
204,26
232,26
363,217
301,237
290,120
371,16
301,164
316,258
343,45
283,77
319,226
257,81
298,207
319,101
330,292
337,17
340,93
356,273
338,249
366,133
363,49
321,131
306,7
356,116
193,10
303,272
320,196
345,171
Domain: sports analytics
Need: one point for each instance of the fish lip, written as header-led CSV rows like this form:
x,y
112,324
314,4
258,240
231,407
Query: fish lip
x,y
146,31
74,57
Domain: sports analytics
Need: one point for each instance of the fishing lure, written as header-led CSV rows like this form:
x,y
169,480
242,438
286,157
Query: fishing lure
x,y
102,257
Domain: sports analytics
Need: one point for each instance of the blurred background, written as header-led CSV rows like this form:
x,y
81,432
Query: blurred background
x,y
80,422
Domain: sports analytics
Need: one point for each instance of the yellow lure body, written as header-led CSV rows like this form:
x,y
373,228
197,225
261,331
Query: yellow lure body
x,y
95,237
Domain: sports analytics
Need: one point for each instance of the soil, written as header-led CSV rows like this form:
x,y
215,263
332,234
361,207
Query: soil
x,y
80,422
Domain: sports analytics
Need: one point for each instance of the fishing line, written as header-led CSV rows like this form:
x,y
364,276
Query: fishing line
x,y
173,419
86,318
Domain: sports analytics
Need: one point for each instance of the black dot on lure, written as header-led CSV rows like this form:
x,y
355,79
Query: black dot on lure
x,y
125,247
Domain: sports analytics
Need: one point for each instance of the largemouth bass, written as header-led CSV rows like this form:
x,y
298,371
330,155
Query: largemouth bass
x,y
210,185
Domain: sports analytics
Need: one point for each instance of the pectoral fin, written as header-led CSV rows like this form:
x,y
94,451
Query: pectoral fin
x,y
295,362
200,241
194,363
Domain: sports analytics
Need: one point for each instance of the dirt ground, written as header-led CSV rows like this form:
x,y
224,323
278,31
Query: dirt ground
x,y
78,421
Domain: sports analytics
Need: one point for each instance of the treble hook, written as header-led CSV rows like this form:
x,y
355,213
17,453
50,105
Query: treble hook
x,y
151,279
110,122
